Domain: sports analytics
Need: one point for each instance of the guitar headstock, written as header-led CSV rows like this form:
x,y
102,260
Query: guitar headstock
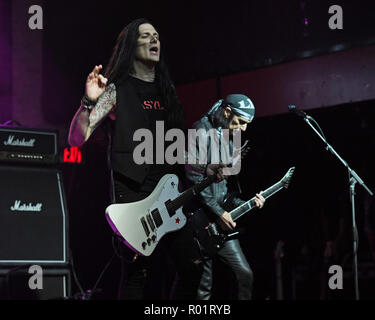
x,y
241,153
286,180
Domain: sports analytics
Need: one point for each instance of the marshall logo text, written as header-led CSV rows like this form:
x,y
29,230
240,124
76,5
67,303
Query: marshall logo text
x,y
26,207
19,143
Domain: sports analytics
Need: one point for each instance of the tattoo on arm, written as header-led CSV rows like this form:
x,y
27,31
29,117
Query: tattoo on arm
x,y
103,107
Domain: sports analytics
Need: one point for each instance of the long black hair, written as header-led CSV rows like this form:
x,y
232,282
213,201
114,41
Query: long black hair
x,y
121,65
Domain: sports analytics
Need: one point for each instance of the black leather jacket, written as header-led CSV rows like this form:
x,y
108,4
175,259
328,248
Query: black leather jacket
x,y
214,195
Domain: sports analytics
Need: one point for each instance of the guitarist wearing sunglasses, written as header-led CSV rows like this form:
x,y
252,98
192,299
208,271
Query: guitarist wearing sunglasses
x,y
234,112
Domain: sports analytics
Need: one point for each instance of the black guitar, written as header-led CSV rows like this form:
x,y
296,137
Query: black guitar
x,y
211,236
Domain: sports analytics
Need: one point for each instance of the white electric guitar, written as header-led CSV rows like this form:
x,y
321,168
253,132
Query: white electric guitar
x,y
142,224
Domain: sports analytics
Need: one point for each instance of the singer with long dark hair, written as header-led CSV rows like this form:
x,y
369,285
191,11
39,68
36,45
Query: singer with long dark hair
x,y
135,92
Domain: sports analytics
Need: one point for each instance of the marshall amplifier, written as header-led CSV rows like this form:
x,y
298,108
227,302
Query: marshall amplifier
x,y
33,217
53,284
28,145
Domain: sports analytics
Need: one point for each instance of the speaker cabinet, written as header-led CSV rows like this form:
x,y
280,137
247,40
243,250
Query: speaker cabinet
x,y
33,217
15,284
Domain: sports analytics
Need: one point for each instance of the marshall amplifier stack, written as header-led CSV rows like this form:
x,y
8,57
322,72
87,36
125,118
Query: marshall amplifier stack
x,y
28,145
33,214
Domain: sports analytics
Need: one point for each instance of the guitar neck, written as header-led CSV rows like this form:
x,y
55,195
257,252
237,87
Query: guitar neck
x,y
247,206
190,193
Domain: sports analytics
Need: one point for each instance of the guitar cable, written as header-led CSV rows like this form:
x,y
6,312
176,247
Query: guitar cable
x,y
87,295
94,289
72,267
82,294
116,253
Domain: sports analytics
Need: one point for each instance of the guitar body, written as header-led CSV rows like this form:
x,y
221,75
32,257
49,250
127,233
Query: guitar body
x,y
208,231
209,234
142,224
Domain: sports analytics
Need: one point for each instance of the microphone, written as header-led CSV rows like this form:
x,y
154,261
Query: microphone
x,y
299,113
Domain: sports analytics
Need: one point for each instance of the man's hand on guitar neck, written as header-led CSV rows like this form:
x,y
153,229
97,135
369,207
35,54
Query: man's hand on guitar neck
x,y
226,221
259,200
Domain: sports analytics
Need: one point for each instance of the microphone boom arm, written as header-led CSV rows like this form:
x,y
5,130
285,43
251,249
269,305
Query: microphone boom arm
x,y
333,151
353,179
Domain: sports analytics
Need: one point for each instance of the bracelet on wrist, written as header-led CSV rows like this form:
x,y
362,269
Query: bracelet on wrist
x,y
88,103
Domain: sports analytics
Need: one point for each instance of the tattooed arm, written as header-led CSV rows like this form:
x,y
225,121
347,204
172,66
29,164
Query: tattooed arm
x,y
85,121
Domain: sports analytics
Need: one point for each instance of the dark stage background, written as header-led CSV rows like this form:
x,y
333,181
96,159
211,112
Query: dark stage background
x,y
276,52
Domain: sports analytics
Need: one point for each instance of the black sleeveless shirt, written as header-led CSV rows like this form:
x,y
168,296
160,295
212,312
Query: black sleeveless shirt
x,y
138,105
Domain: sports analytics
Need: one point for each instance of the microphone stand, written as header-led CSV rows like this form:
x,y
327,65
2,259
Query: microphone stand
x,y
353,179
